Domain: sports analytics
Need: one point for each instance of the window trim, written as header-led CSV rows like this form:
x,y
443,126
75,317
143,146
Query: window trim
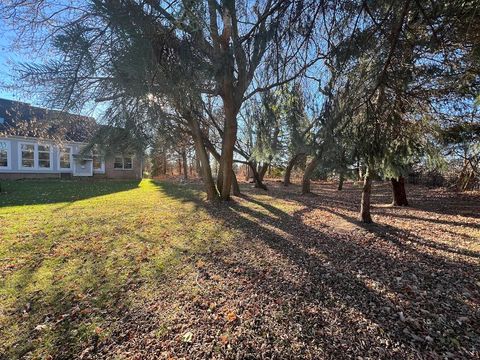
x,y
60,168
50,156
123,162
20,158
9,155
36,166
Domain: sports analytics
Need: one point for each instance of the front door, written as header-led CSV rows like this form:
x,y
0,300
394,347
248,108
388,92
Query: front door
x,y
83,167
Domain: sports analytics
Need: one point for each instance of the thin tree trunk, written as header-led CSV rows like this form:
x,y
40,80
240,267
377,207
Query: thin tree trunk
x,y
340,181
235,186
399,193
263,170
202,155
248,173
289,168
164,163
308,174
365,204
256,177
198,169
185,164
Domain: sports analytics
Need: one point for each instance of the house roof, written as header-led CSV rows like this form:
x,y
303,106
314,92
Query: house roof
x,y
22,119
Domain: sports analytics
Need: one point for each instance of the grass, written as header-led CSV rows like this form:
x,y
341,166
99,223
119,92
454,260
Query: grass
x,y
150,270
70,251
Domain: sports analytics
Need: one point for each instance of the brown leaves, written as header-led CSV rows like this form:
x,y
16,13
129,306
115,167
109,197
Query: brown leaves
x,y
231,317
308,282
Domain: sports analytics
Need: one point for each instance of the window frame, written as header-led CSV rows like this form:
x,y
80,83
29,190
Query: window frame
x,y
36,162
123,162
9,155
50,156
59,162
20,156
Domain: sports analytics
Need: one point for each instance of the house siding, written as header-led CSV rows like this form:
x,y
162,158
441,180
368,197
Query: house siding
x,y
14,171
134,173
19,176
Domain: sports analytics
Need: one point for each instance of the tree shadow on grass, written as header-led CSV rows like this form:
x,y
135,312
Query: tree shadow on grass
x,y
62,315
38,192
351,294
58,284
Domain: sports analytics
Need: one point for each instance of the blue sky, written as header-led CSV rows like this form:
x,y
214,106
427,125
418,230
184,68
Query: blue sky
x,y
8,58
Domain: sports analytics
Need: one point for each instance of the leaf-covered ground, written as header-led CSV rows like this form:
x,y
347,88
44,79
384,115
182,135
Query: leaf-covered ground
x,y
150,270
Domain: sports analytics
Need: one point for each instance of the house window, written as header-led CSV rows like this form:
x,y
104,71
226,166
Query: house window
x,y
127,162
4,152
35,156
65,158
123,163
27,155
44,156
118,163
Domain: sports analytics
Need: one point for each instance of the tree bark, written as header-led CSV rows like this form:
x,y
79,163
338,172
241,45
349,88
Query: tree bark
x,y
248,173
185,164
308,174
164,163
256,176
289,168
198,169
220,175
202,155
399,193
235,186
340,181
263,171
365,204
229,133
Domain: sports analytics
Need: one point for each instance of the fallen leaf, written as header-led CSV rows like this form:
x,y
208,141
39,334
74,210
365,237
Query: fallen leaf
x,y
187,337
231,316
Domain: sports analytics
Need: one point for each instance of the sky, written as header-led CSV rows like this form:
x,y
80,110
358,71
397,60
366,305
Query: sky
x,y
10,58
7,60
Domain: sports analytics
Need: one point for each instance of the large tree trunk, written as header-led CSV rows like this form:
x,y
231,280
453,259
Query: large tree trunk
x,y
185,164
399,193
308,174
202,155
365,204
288,170
340,181
229,136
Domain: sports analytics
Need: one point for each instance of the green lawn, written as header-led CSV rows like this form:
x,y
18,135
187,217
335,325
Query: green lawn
x,y
70,251
135,270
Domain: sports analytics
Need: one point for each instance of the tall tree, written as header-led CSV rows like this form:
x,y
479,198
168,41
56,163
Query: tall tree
x,y
124,52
